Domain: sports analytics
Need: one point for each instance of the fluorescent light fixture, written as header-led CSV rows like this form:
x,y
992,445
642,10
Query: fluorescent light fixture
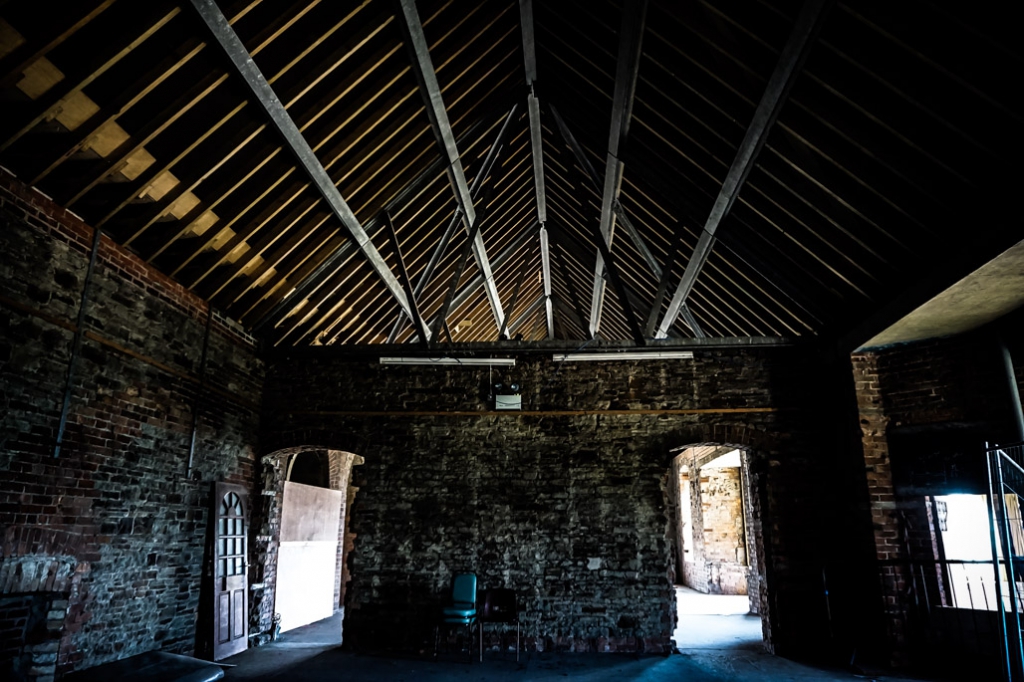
x,y
626,355
509,362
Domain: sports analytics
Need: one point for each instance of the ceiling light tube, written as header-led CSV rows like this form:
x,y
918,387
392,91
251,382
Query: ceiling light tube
x,y
510,362
628,355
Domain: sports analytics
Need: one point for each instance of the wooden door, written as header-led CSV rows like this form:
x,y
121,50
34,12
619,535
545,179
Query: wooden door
x,y
230,581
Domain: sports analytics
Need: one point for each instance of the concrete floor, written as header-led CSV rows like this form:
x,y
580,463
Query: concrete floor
x,y
713,648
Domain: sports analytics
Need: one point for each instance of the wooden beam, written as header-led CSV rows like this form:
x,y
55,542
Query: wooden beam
x,y
631,31
155,126
285,125
106,57
794,54
54,33
423,70
532,413
128,97
417,320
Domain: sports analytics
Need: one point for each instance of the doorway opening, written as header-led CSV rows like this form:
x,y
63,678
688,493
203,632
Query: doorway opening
x,y
715,605
308,521
311,523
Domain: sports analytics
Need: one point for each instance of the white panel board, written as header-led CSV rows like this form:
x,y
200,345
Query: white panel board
x,y
307,558
305,582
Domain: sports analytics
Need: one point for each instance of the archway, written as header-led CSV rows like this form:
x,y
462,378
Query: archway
x,y
716,570
304,536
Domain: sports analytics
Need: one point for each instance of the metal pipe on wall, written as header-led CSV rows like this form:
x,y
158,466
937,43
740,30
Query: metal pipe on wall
x,y
1011,379
197,403
76,344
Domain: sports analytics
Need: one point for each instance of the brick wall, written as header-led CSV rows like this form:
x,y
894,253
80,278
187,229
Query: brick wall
x,y
117,499
567,502
717,560
724,548
906,392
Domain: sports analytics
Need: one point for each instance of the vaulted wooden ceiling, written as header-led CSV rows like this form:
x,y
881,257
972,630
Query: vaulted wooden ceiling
x,y
631,170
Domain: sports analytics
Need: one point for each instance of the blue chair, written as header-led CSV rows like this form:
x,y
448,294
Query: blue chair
x,y
461,611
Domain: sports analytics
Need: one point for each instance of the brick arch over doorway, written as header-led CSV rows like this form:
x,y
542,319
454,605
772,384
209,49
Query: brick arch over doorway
x,y
267,522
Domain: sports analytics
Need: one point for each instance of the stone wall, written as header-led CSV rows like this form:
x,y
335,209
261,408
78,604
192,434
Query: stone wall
x,y
722,548
565,502
119,500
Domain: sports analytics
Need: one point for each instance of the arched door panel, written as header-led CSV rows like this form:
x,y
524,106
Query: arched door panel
x,y
230,625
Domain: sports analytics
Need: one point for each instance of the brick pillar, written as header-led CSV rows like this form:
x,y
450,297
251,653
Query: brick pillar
x,y
885,515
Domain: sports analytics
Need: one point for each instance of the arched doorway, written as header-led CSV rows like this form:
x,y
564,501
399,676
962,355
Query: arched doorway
x,y
716,575
310,492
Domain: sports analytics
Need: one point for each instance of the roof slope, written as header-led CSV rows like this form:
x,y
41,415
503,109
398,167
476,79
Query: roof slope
x,y
887,156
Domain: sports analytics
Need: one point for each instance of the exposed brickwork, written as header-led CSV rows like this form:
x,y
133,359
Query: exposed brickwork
x,y
927,385
568,510
117,500
718,558
35,593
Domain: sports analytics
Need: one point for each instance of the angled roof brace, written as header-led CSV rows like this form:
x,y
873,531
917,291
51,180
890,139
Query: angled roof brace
x,y
524,266
577,308
423,70
228,40
435,258
537,151
442,315
472,285
403,272
794,54
308,285
526,314
620,212
634,15
611,270
691,321
664,281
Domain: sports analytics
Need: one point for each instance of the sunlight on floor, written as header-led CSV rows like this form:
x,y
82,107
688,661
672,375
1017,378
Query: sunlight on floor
x,y
715,621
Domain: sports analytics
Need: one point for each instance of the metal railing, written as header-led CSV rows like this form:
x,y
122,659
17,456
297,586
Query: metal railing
x,y
948,614
1006,486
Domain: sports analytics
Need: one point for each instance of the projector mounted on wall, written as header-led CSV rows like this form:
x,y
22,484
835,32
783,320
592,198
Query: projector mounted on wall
x,y
507,397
